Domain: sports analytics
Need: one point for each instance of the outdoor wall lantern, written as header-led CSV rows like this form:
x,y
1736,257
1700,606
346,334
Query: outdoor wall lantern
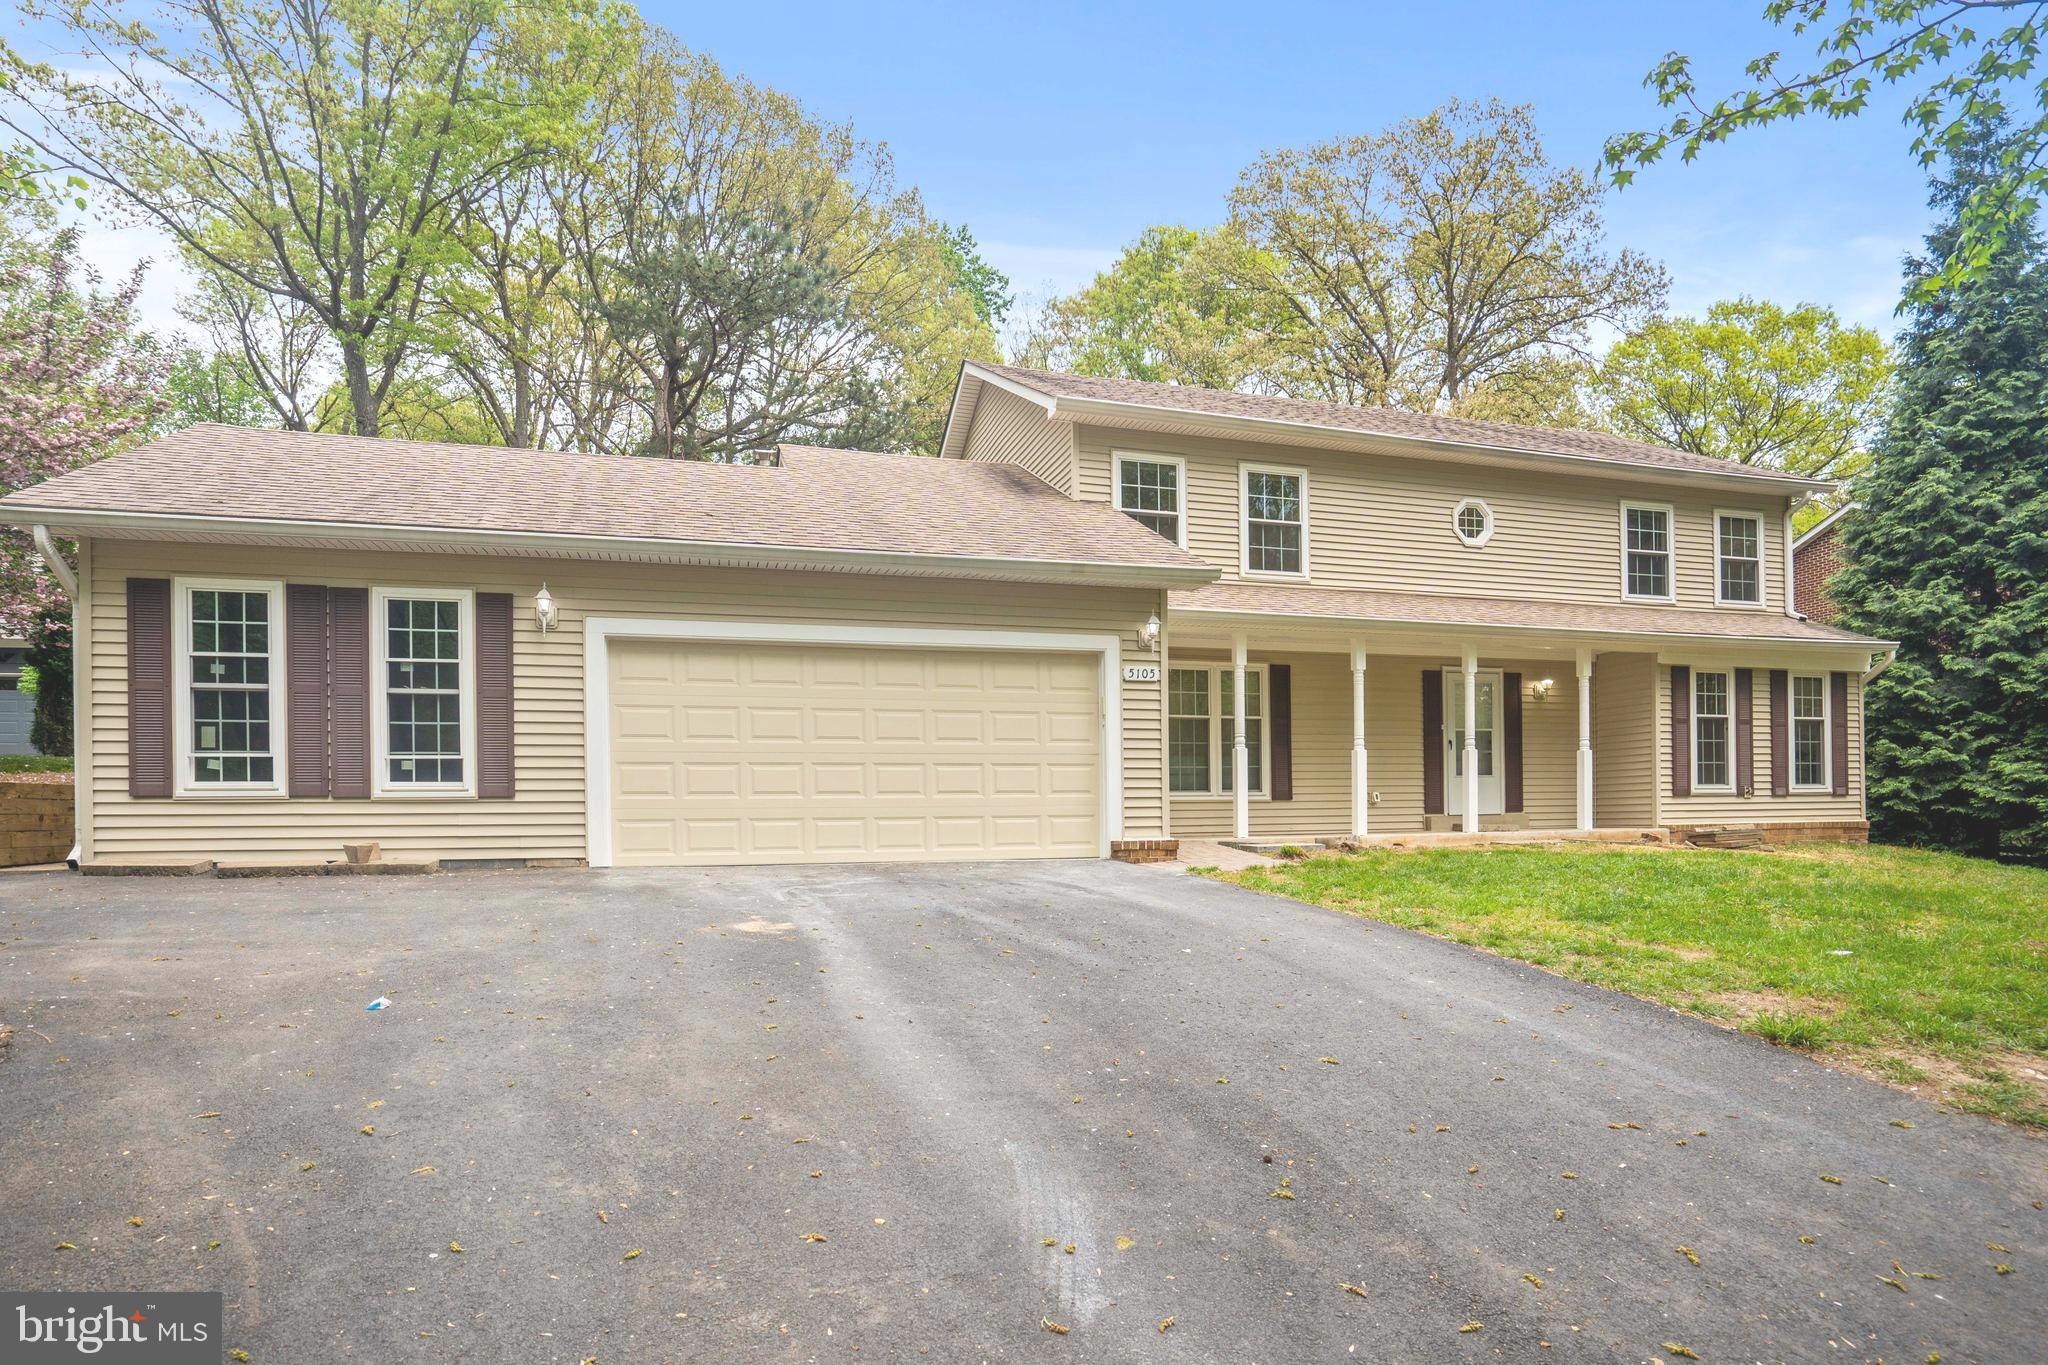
x,y
1149,633
1541,688
544,609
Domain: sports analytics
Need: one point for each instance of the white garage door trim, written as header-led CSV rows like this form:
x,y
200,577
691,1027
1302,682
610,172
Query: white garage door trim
x,y
600,631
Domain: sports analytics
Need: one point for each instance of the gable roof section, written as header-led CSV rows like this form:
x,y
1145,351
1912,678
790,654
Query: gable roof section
x,y
1832,519
840,509
1132,402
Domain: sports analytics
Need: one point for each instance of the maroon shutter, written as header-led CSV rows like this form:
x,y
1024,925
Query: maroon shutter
x,y
1280,716
1432,741
1781,745
494,697
149,687
1838,730
348,690
1511,740
305,688
1681,730
1745,735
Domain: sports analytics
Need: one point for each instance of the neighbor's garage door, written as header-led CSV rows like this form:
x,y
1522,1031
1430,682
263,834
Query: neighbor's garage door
x,y
743,753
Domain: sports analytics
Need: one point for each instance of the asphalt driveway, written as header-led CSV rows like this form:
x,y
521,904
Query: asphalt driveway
x,y
918,1113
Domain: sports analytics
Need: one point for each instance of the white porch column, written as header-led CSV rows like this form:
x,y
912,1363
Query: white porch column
x,y
1239,771
1585,739
1471,740
1361,786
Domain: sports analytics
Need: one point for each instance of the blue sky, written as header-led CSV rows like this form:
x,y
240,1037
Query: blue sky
x,y
1057,131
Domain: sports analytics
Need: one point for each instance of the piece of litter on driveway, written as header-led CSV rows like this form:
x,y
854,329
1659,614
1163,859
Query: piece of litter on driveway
x,y
382,1002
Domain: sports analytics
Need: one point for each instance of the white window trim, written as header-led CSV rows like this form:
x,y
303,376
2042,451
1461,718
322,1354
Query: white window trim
x,y
380,699
1244,519
1478,541
1219,741
1827,746
1763,581
1693,755
600,631
1670,549
1117,458
181,690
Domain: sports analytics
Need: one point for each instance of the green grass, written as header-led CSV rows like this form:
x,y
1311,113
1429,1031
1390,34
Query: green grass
x,y
1913,966
33,763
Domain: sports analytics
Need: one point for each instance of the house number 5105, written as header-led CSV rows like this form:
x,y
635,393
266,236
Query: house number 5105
x,y
1141,672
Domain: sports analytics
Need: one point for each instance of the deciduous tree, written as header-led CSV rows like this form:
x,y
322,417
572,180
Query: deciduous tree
x,y
1791,389
1977,59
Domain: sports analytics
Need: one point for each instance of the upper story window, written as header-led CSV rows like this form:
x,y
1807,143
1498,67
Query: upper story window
x,y
426,690
1810,732
230,679
1713,748
1646,568
1152,489
1201,729
1738,559
1473,521
1275,512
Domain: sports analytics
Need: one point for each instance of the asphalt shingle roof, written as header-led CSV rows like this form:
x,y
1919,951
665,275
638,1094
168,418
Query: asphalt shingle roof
x,y
1431,609
812,499
1373,421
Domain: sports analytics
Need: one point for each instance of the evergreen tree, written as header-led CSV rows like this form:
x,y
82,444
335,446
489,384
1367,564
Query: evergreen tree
x,y
1949,554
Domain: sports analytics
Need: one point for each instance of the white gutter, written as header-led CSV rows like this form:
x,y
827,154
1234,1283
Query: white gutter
x,y
1876,670
1278,620
654,549
66,579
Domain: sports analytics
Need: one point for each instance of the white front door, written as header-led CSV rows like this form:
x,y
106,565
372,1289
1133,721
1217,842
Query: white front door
x,y
1487,731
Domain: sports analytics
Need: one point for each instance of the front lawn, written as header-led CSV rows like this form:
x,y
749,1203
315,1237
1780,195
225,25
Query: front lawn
x,y
1921,968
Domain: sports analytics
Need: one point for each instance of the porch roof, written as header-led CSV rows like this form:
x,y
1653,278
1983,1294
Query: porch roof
x,y
1337,605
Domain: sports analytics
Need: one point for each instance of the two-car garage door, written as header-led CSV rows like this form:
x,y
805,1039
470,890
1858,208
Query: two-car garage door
x,y
728,752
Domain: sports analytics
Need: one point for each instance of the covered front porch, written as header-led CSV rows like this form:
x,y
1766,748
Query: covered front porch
x,y
1365,732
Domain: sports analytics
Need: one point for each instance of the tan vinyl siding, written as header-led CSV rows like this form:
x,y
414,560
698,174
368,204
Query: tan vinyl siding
x,y
1713,807
1013,429
1379,521
1393,734
546,818
1624,740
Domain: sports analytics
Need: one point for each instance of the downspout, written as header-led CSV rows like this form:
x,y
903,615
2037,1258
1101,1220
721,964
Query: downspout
x,y
1877,669
1791,563
67,579
61,571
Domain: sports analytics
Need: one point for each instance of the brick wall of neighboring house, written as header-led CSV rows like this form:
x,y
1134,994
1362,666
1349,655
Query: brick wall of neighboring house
x,y
1813,564
36,818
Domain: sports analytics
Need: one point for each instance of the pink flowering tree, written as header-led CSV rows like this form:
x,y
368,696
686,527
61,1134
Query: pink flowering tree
x,y
77,382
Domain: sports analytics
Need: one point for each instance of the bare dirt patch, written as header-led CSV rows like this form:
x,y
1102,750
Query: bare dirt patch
x,y
1948,1081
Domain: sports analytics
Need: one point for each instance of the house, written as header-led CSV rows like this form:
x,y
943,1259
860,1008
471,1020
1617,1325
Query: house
x,y
17,708
1032,646
1816,555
